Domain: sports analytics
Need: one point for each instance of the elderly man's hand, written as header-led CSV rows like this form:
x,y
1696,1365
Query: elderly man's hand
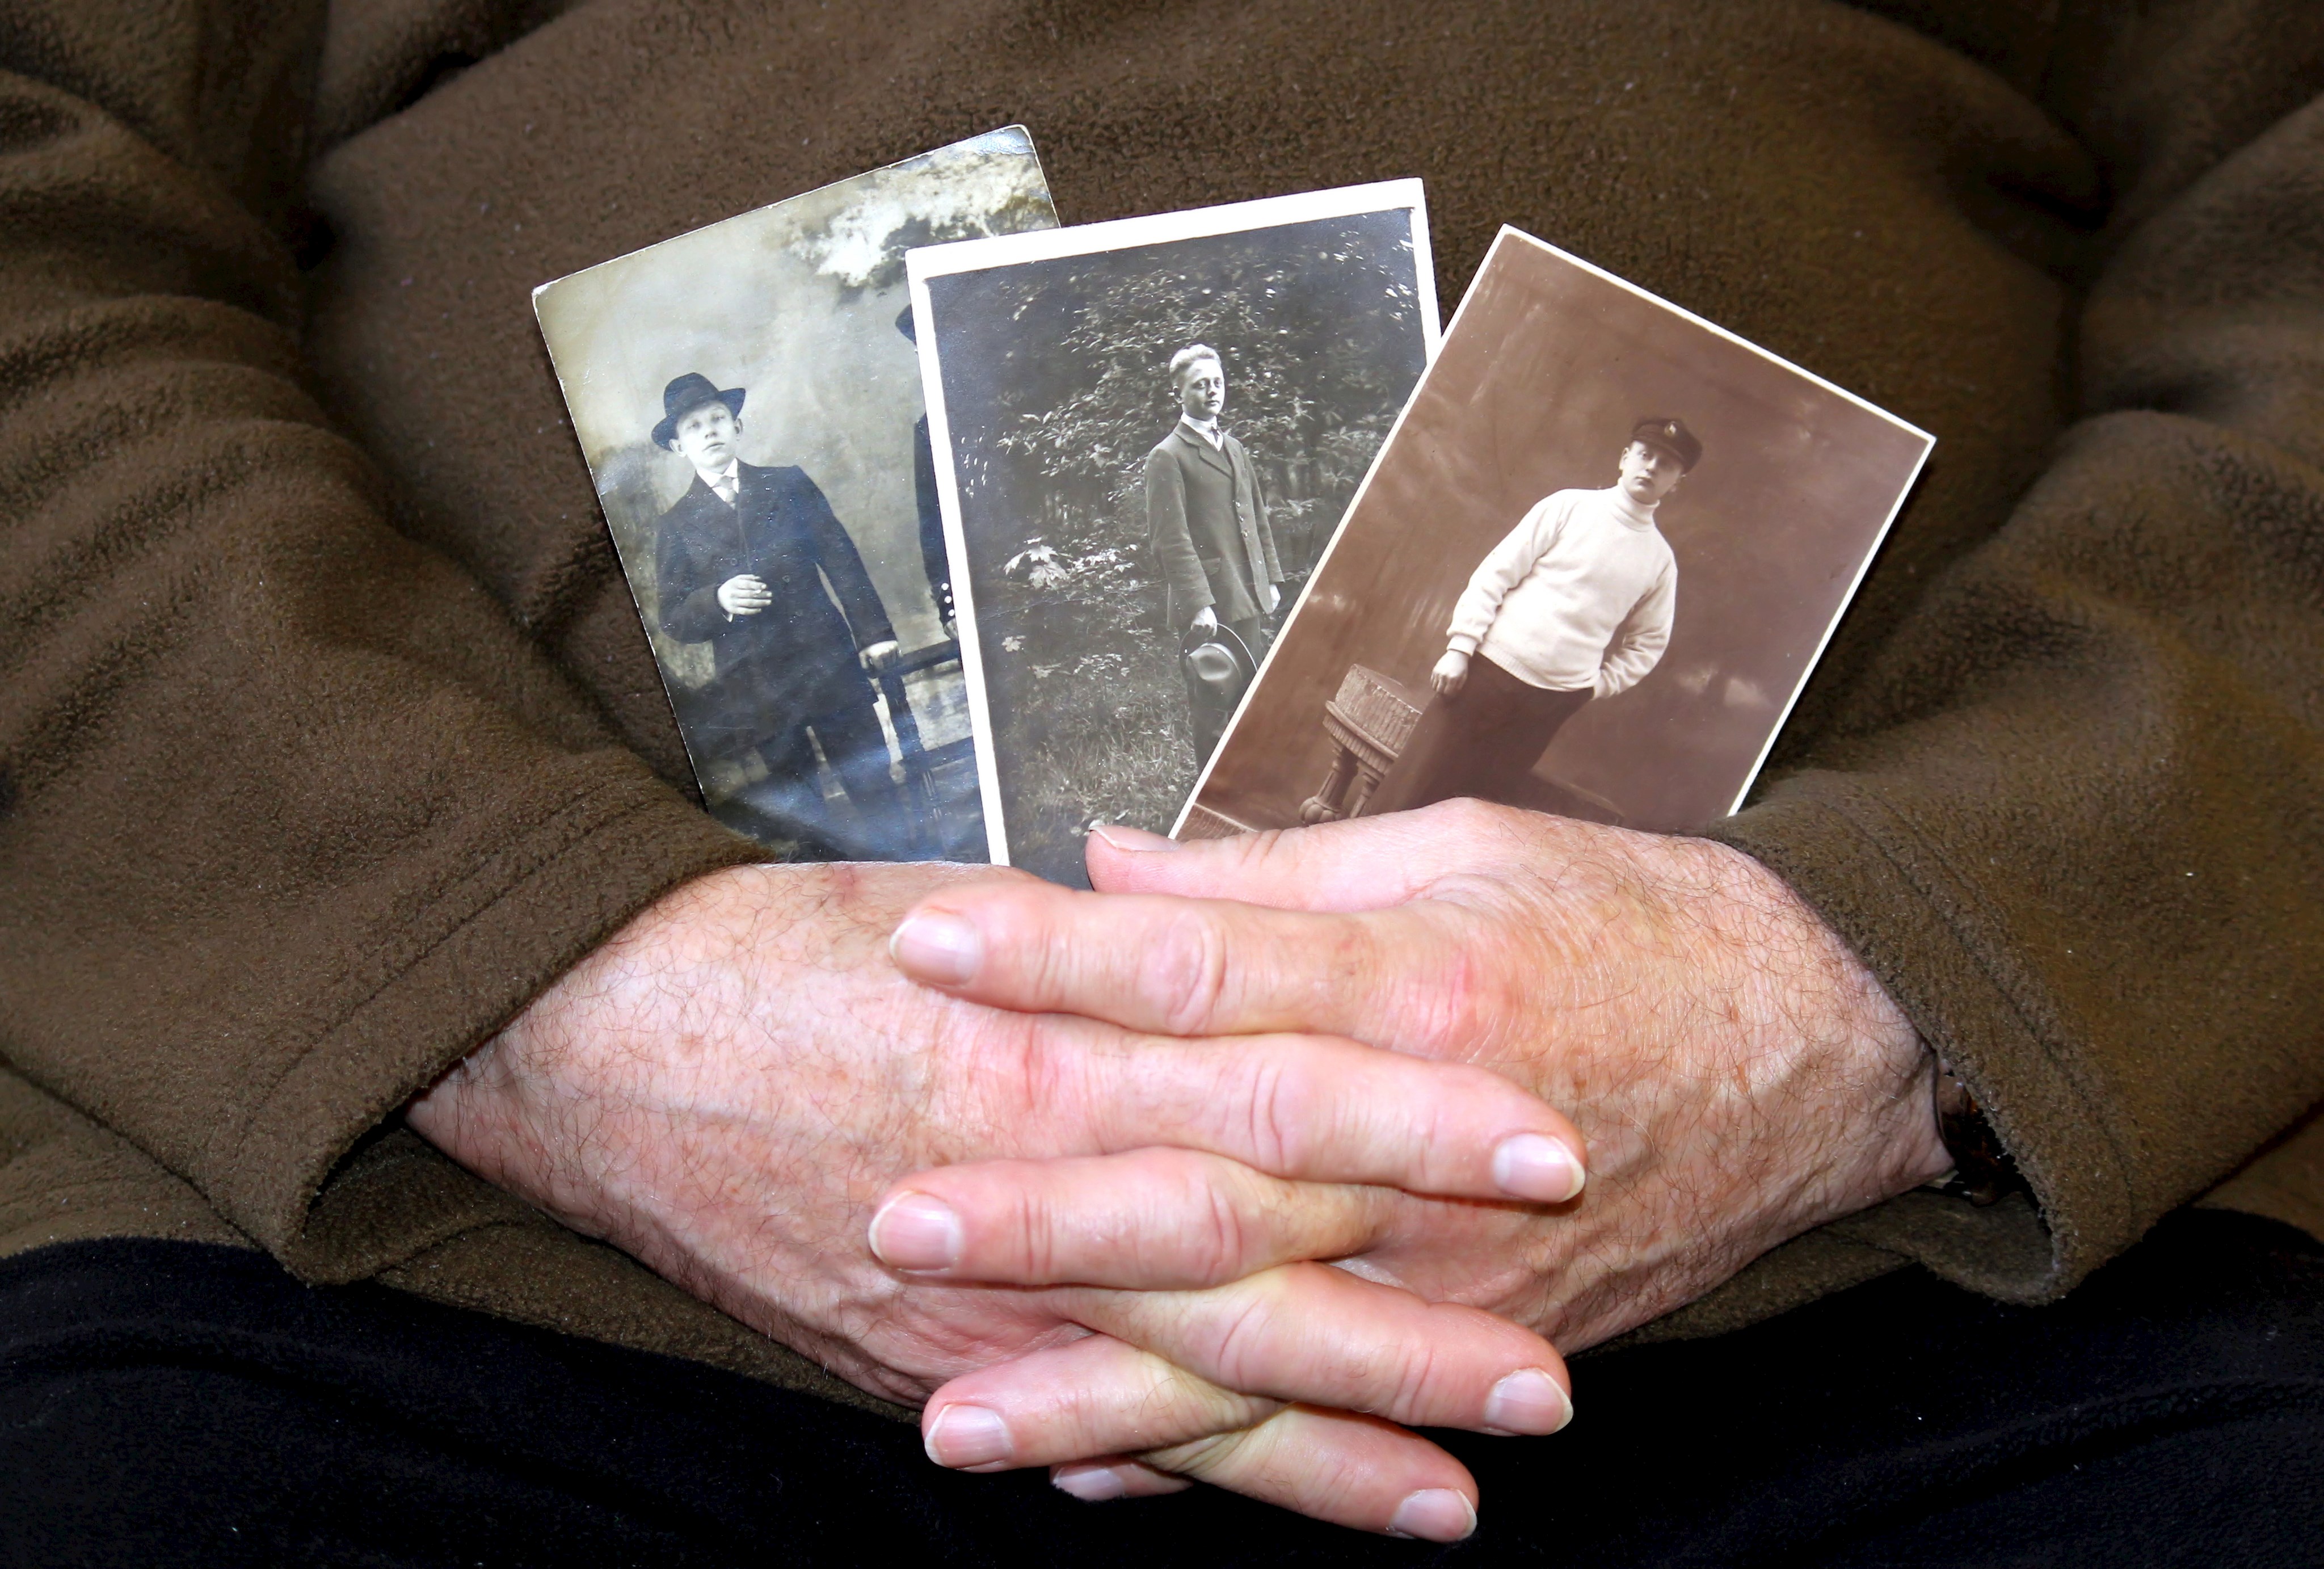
x,y
727,1087
1740,1075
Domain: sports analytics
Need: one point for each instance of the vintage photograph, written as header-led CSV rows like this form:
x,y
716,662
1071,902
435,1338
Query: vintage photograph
x,y
748,397
1588,575
1144,434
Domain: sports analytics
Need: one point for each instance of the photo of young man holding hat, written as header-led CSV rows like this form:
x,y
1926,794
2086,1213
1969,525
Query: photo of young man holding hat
x,y
740,564
1574,603
1206,518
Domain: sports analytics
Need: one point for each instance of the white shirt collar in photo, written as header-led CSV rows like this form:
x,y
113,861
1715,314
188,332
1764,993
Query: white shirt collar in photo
x,y
1207,429
727,485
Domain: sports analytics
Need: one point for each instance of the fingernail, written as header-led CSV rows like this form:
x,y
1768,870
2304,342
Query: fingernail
x,y
915,1232
966,1436
943,949
1134,841
1528,1401
1434,1514
1093,1484
1532,1166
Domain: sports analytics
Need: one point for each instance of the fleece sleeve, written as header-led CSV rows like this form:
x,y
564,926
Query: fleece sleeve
x,y
291,814
2070,814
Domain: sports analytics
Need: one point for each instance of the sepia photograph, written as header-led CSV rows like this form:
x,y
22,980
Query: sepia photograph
x,y
1144,433
1588,575
748,398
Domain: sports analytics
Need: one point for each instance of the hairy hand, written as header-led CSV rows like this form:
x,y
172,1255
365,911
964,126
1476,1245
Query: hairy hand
x,y
1740,1075
726,1088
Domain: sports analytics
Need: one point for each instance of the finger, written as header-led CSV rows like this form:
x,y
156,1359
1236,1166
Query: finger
x,y
1090,1398
1317,1109
1061,1407
1097,1481
1068,1401
1153,1219
1409,979
1313,1334
1336,1466
1358,863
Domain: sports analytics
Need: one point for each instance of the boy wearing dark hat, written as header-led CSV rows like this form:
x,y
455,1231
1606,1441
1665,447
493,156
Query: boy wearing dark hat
x,y
740,564
1576,604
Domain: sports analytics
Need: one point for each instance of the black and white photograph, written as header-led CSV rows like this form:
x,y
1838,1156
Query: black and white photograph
x,y
1589,573
748,397
1144,432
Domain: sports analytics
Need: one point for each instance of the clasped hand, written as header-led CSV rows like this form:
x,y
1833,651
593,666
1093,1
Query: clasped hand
x,y
1740,1075
726,1089
1103,1142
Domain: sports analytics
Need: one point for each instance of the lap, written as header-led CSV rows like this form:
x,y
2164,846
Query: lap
x,y
178,1403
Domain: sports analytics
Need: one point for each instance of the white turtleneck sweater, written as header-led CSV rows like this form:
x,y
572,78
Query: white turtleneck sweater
x,y
1580,595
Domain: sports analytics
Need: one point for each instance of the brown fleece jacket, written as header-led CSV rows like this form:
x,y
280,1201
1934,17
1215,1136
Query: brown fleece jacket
x,y
328,735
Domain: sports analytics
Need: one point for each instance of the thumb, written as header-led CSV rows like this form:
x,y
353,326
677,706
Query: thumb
x,y
1363,864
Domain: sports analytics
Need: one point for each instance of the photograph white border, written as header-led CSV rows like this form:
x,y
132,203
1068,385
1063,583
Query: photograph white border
x,y
979,255
572,417
1507,233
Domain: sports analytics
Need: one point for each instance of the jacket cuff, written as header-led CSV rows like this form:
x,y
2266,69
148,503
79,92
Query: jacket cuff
x,y
1888,893
322,1173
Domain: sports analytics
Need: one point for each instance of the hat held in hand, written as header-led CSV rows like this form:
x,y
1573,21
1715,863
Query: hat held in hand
x,y
1217,666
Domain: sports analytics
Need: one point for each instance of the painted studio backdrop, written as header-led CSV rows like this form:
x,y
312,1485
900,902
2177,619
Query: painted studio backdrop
x,y
799,312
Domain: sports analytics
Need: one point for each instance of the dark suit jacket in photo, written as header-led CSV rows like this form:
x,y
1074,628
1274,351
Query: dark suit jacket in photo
x,y
933,559
800,648
1207,523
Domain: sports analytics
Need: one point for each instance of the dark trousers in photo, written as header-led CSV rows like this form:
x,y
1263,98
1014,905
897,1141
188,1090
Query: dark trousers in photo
x,y
847,726
836,712
1481,742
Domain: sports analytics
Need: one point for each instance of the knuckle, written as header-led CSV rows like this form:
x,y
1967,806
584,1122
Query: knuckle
x,y
1200,1458
1471,818
1216,1245
1224,1241
1242,1346
1406,1382
1033,1234
1278,1113
1459,989
1186,972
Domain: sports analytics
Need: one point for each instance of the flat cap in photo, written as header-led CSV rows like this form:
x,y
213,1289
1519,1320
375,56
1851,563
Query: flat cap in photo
x,y
1671,435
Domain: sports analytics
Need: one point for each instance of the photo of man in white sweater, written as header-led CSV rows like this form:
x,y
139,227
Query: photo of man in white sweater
x,y
1574,603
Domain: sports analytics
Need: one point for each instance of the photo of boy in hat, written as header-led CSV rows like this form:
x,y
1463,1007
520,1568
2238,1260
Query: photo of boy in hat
x,y
1206,520
742,561
1574,603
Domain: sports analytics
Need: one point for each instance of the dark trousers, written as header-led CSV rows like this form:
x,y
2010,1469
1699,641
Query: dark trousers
x,y
847,726
838,713
175,1403
1210,718
1481,742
